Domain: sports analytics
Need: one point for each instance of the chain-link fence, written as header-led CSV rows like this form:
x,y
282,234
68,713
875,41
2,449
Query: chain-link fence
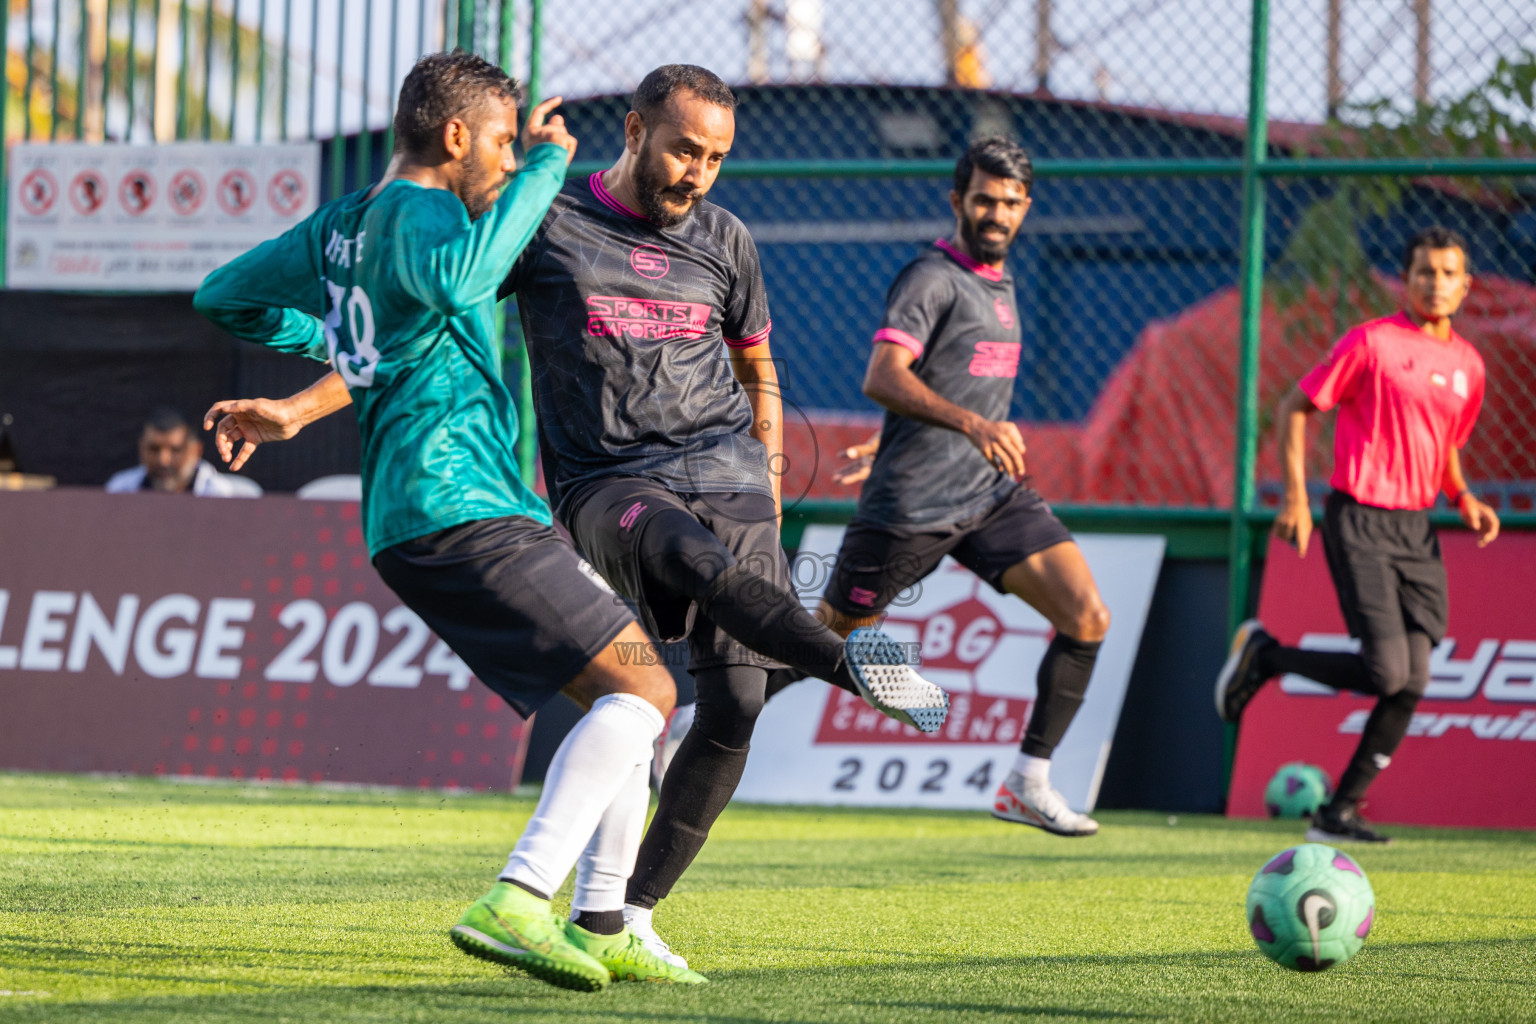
x,y
1129,266
1131,263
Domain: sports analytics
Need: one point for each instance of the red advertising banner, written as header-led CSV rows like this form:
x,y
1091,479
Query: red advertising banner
x,y
166,634
1470,756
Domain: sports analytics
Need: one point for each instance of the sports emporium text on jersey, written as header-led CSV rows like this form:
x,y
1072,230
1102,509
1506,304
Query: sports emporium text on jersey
x,y
612,316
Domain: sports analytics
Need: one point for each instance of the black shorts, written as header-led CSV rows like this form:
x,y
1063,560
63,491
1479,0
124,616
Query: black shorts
x,y
1386,566
508,596
878,562
608,519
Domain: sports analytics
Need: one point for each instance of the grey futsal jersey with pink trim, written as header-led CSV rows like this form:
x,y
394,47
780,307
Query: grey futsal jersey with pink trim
x,y
961,319
627,326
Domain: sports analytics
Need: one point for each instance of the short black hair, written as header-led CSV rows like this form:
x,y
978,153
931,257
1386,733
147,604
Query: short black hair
x,y
163,419
1437,237
443,86
656,89
997,156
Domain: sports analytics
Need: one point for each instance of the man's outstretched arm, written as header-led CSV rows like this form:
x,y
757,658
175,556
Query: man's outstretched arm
x,y
254,421
891,382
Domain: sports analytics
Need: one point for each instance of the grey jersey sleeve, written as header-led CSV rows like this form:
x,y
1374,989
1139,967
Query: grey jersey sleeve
x,y
744,320
916,306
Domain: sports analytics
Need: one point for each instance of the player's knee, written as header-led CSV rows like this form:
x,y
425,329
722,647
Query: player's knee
x,y
1417,683
729,719
1091,623
1390,675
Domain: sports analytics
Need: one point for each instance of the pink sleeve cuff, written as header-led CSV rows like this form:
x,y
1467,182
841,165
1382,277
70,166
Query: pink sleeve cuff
x,y
901,338
751,340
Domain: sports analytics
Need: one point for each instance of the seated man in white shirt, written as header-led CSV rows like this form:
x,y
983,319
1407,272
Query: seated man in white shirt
x,y
171,460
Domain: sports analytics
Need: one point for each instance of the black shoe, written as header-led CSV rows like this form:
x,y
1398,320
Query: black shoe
x,y
1342,825
1240,678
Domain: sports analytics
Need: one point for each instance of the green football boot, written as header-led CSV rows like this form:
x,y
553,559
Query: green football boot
x,y
627,959
513,927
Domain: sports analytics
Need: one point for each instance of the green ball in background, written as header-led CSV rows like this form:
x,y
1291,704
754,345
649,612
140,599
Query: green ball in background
x,y
1297,790
1310,907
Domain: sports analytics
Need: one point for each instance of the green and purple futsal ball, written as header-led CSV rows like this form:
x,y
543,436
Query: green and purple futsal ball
x,y
1297,791
1310,908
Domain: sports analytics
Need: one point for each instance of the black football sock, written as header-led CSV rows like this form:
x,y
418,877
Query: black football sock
x,y
1387,725
600,922
1341,670
1381,668
1060,685
699,783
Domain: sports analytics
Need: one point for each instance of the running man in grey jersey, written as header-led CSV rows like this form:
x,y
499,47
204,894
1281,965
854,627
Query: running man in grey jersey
x,y
945,478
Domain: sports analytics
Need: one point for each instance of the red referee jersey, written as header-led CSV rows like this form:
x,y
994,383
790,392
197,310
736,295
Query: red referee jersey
x,y
1403,396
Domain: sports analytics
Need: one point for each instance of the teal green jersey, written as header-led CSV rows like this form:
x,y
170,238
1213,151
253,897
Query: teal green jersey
x,y
397,292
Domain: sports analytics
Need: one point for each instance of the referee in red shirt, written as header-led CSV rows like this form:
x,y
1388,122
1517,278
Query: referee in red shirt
x,y
1408,389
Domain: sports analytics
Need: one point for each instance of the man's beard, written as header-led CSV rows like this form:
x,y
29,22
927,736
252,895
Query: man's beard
x,y
984,249
650,191
476,187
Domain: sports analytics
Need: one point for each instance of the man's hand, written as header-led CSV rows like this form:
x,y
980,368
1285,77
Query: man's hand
x,y
538,131
1294,524
862,456
253,421
1001,443
1480,519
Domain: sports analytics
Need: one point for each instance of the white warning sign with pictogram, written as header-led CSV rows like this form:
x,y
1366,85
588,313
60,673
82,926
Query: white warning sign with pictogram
x,y
816,744
148,218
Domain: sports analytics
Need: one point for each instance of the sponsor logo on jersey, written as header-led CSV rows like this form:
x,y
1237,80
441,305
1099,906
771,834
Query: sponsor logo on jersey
x,y
995,359
1004,314
650,262
615,316
1437,379
1459,383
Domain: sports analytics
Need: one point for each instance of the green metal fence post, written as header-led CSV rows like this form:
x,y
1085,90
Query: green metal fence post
x,y
53,75
1252,286
131,68
527,426
365,136
535,50
207,70
338,141
26,100
1240,552
465,23
261,69
184,95
106,68
81,67
282,115
234,68
505,24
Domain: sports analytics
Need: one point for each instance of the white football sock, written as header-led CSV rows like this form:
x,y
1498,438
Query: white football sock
x,y
594,763
1037,768
603,870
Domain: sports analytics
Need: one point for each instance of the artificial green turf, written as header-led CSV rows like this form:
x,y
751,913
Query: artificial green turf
x,y
140,900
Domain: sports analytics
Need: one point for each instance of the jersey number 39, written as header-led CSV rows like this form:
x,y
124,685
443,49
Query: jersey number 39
x,y
352,308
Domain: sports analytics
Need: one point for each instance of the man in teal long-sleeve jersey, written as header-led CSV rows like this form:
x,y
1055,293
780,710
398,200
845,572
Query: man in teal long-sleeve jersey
x,y
395,287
